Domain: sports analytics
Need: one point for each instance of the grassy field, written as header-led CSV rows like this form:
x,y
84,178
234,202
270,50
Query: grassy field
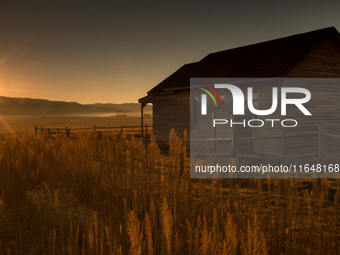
x,y
111,195
12,124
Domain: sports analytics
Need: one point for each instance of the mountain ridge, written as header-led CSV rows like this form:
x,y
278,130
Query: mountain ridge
x,y
13,106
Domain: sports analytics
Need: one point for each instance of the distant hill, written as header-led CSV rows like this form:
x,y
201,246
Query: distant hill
x,y
35,107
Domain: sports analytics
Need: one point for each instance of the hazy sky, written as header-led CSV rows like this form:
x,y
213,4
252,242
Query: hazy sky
x,y
115,51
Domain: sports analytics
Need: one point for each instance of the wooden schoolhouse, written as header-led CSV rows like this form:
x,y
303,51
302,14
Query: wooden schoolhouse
x,y
314,54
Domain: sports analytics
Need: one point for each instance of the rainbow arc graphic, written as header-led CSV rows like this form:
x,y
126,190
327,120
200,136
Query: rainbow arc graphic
x,y
206,90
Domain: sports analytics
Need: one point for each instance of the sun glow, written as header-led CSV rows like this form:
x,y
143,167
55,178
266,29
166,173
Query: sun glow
x,y
8,127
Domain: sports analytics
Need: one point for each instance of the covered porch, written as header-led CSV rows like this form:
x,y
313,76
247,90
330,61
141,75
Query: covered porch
x,y
143,102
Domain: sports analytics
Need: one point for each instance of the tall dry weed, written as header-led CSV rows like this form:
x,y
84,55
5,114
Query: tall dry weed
x,y
252,240
231,240
148,233
135,232
167,224
83,195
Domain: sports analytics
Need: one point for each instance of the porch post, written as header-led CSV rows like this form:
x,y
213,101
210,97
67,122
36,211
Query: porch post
x,y
141,119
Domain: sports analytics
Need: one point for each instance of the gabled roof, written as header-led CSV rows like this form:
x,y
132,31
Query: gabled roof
x,y
273,58
172,79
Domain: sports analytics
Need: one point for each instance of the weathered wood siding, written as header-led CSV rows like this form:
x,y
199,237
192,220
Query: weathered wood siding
x,y
323,62
171,111
270,146
205,127
325,109
207,130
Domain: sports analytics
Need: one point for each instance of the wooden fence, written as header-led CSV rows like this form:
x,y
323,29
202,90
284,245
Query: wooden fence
x,y
132,130
320,153
320,135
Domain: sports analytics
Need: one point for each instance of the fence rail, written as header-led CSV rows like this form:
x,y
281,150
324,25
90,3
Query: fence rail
x,y
136,130
320,152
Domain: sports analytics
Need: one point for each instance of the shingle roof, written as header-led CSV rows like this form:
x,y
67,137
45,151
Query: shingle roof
x,y
267,59
172,79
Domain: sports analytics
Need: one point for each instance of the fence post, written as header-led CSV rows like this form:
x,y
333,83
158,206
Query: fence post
x,y
66,131
142,118
146,141
321,142
35,130
49,132
146,129
321,147
233,143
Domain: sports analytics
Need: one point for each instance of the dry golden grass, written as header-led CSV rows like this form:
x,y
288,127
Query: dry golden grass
x,y
110,195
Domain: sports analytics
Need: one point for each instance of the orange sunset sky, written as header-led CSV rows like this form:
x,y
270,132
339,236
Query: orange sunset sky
x,y
114,52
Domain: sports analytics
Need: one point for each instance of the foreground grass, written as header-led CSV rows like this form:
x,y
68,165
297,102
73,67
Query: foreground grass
x,y
112,196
